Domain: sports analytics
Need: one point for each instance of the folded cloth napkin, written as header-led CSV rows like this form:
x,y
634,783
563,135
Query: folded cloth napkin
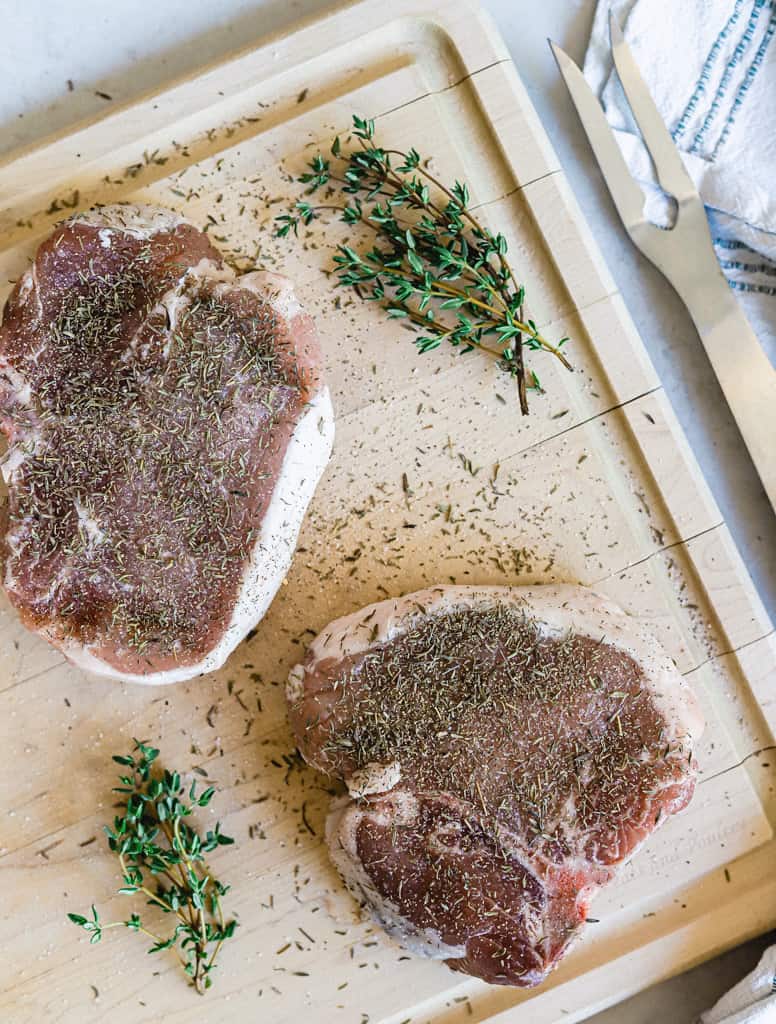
x,y
711,68
751,1001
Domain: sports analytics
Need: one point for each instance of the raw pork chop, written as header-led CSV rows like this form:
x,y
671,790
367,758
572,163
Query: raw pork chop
x,y
505,749
167,426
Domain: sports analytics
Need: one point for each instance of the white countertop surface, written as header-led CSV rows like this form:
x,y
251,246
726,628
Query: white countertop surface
x,y
56,60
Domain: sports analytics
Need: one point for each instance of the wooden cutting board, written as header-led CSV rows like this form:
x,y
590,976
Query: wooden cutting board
x,y
597,485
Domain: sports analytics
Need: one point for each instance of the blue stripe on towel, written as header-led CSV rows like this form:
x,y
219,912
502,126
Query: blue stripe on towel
x,y
730,243
751,74
743,267
745,286
700,88
730,68
769,269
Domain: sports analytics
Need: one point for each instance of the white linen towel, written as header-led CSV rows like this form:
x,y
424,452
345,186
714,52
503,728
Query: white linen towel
x,y
711,68
752,1000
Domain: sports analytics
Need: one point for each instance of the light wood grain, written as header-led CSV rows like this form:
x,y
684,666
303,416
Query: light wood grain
x,y
597,485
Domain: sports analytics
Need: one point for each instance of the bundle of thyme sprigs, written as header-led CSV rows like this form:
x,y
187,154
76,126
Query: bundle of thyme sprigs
x,y
434,265
162,857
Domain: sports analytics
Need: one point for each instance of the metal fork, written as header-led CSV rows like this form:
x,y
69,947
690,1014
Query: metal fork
x,y
684,253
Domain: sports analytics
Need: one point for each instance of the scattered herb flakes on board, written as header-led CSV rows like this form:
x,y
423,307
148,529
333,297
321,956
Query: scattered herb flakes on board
x,y
162,858
433,265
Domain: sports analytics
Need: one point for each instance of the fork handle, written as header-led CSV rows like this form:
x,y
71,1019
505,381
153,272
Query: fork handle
x,y
745,373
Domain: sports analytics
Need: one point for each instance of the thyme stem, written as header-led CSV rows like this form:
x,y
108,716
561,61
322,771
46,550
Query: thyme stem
x,y
154,808
433,251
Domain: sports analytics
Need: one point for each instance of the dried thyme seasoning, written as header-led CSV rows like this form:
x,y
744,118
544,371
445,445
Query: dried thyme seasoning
x,y
433,265
133,486
162,857
483,705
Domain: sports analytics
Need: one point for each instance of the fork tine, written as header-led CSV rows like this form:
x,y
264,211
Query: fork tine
x,y
627,196
670,170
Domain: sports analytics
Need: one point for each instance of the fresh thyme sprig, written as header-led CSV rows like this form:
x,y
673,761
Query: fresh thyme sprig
x,y
162,857
434,264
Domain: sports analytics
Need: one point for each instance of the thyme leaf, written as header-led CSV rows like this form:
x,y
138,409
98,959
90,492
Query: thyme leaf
x,y
432,263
